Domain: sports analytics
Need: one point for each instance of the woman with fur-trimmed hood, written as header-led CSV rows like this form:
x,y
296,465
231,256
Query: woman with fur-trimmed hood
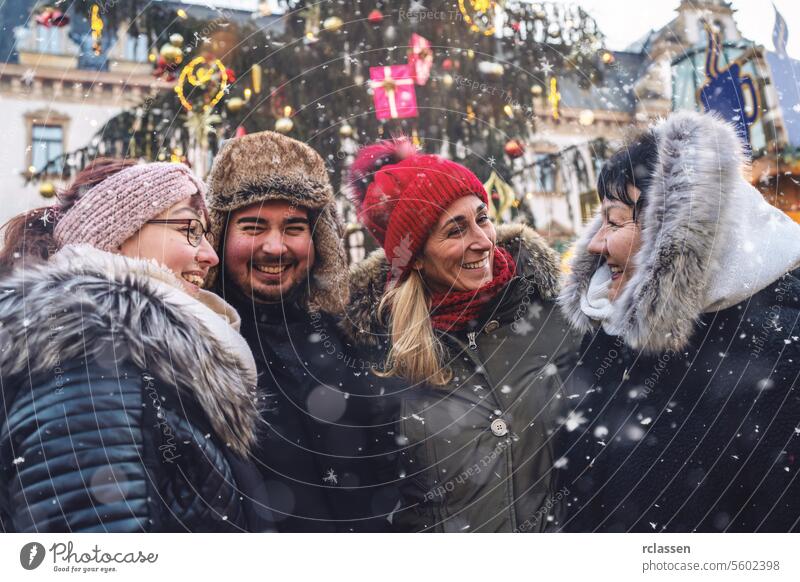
x,y
687,286
459,320
128,397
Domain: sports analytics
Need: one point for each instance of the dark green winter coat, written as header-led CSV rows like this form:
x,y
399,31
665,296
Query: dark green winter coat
x,y
477,454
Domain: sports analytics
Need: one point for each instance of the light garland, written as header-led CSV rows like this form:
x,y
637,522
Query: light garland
x,y
201,77
97,30
478,9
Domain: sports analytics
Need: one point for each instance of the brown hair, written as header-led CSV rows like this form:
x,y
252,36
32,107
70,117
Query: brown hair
x,y
29,236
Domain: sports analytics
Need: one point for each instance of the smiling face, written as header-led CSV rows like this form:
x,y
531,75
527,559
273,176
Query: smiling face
x,y
459,253
168,244
618,240
269,249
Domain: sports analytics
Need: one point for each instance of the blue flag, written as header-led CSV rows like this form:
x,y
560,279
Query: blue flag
x,y
780,33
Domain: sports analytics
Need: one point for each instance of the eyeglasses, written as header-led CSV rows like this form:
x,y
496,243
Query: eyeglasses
x,y
195,231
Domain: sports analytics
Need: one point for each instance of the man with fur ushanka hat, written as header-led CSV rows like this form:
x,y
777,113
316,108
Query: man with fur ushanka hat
x,y
283,267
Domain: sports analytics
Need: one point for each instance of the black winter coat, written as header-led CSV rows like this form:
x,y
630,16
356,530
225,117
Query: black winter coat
x,y
705,439
317,451
689,420
478,455
119,412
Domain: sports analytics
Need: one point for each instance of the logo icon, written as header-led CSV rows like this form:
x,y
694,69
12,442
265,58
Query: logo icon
x,y
31,555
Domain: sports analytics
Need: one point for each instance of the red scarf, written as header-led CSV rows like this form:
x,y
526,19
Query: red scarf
x,y
452,311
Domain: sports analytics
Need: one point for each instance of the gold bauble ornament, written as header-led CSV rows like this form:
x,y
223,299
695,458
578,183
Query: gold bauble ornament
x,y
172,54
284,125
47,190
346,130
176,40
447,80
332,24
235,104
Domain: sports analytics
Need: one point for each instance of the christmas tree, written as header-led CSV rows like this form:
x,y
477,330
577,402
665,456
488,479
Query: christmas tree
x,y
457,77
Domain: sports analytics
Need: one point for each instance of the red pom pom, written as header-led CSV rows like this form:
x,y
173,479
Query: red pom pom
x,y
372,158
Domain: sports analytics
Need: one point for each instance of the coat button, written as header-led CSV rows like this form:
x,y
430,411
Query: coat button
x,y
499,427
492,326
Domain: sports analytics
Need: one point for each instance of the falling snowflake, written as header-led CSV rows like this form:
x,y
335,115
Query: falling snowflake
x,y
574,420
550,370
330,477
535,311
522,327
765,384
18,461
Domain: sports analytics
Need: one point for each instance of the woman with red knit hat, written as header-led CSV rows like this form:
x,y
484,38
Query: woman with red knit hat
x,y
465,344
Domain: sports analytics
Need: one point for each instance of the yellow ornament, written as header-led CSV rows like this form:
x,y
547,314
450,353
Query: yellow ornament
x,y
346,130
256,73
198,72
284,125
333,24
97,30
172,54
235,104
505,196
554,98
47,190
479,15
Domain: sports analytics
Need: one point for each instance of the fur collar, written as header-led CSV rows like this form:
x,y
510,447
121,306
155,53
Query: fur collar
x,y
95,300
536,261
709,240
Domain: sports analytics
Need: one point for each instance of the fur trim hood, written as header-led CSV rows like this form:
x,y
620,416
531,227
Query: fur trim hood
x,y
89,303
536,261
709,240
270,166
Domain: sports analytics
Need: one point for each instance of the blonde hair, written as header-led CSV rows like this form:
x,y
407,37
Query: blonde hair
x,y
416,353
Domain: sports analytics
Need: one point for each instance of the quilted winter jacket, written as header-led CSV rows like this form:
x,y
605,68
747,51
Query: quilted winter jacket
x,y
120,412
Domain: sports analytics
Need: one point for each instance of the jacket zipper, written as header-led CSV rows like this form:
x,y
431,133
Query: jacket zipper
x,y
471,337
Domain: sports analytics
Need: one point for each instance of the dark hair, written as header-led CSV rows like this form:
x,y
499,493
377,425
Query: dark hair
x,y
29,236
633,164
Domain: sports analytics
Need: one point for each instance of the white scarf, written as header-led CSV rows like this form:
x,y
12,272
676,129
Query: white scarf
x,y
595,302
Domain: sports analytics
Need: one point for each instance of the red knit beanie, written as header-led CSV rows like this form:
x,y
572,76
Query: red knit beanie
x,y
400,195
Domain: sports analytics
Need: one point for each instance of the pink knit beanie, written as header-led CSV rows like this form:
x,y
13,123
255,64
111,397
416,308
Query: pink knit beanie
x,y
113,210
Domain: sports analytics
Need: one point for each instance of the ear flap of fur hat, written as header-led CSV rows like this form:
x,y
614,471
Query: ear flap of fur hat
x,y
270,166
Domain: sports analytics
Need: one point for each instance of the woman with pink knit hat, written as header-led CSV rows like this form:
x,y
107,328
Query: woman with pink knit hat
x,y
128,394
467,346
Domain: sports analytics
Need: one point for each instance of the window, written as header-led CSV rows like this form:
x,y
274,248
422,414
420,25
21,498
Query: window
x,y
49,40
136,48
544,173
47,143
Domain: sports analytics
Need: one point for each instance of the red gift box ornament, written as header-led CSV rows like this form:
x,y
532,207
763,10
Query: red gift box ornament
x,y
420,58
393,92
